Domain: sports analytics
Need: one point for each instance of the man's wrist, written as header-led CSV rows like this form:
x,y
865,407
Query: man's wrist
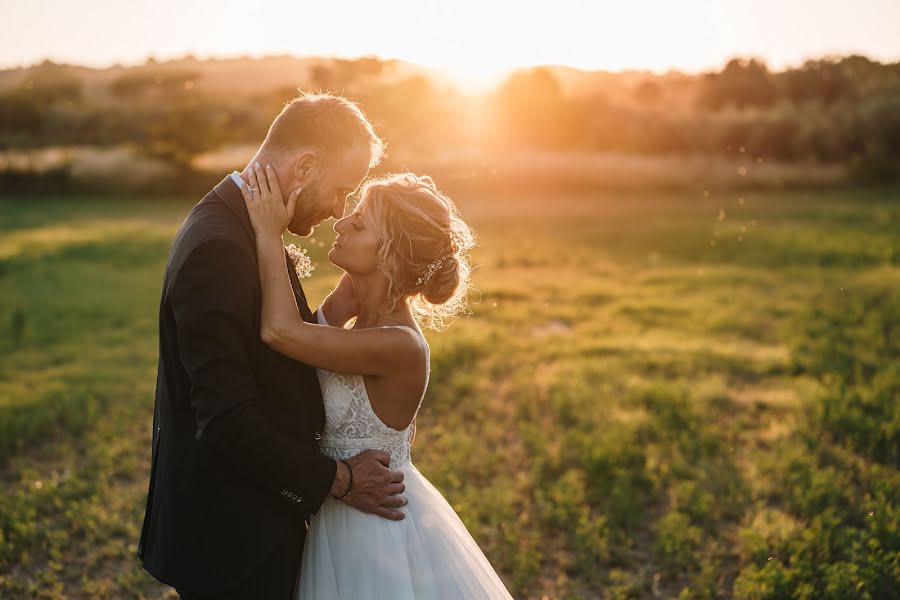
x,y
349,482
342,482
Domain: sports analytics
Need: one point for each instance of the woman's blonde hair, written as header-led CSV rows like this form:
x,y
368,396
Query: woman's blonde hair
x,y
423,246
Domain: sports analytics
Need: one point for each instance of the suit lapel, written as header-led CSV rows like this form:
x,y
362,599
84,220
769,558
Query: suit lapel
x,y
299,296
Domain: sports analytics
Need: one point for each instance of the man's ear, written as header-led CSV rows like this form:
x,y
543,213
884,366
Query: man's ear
x,y
305,166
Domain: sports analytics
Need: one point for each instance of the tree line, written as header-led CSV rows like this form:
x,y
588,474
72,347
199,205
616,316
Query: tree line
x,y
828,110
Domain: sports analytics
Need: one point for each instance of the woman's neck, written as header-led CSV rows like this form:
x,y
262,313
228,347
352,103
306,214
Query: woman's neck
x,y
374,304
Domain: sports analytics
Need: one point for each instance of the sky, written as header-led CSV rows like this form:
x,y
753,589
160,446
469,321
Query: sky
x,y
475,41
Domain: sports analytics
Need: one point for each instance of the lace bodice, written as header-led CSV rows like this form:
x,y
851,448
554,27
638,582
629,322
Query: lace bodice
x,y
351,424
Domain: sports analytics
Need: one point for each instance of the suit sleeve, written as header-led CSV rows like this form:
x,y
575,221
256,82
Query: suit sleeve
x,y
213,304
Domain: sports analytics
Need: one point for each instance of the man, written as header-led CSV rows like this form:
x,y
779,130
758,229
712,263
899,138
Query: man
x,y
235,466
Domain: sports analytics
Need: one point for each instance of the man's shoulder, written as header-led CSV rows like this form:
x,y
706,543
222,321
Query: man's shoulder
x,y
209,224
211,218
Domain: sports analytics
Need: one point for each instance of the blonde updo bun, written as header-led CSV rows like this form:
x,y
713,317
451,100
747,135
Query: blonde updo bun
x,y
417,226
444,282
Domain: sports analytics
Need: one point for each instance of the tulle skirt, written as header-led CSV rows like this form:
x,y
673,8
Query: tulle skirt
x,y
351,555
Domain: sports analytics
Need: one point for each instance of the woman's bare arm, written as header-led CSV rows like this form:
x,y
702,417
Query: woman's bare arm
x,y
375,351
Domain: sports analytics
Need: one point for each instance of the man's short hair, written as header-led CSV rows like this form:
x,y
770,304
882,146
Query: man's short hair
x,y
331,123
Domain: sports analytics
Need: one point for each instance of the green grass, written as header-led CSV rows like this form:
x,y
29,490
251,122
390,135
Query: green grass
x,y
644,401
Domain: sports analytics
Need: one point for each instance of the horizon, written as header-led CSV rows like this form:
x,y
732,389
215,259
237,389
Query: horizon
x,y
187,56
693,37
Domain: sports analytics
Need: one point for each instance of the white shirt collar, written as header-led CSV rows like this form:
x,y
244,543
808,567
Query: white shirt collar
x,y
236,178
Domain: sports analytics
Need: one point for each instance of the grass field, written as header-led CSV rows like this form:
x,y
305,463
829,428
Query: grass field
x,y
657,395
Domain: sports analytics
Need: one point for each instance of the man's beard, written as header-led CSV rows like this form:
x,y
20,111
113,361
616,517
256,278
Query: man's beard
x,y
308,212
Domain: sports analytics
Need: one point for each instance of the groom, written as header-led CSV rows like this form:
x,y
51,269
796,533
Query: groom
x,y
235,467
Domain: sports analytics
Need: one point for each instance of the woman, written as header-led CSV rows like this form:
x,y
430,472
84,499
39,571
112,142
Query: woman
x,y
404,249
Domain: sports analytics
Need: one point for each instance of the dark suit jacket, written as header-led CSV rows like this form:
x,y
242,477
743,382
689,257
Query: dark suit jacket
x,y
235,464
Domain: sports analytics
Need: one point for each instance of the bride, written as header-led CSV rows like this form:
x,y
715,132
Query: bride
x,y
404,248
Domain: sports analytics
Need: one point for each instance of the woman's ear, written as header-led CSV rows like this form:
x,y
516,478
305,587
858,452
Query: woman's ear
x,y
305,166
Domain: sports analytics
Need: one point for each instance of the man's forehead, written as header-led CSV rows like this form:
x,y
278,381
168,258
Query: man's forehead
x,y
354,182
355,167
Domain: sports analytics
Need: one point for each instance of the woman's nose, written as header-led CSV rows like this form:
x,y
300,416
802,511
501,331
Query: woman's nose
x,y
338,225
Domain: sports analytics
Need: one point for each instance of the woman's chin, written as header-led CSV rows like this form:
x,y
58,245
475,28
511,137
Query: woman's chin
x,y
336,263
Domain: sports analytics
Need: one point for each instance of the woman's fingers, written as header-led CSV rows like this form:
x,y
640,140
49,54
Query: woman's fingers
x,y
262,180
245,192
292,202
251,203
268,211
272,183
254,184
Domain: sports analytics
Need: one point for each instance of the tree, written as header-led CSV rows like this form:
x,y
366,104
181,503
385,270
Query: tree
x,y
531,110
824,81
648,92
742,83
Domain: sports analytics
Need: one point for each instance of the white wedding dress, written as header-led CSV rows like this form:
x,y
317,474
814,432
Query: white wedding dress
x,y
351,555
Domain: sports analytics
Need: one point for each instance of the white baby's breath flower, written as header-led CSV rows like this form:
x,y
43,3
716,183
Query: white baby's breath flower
x,y
302,264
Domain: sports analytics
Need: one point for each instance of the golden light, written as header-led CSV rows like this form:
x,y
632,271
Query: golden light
x,y
475,42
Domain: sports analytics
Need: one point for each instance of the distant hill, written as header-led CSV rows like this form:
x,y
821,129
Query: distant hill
x,y
835,111
242,77
245,77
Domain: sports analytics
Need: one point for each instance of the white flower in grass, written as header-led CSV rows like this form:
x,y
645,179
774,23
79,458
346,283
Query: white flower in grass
x,y
302,264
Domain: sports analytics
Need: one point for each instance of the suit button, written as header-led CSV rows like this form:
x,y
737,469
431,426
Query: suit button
x,y
318,436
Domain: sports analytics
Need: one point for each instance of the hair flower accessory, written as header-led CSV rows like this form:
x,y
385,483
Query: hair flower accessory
x,y
302,264
431,269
